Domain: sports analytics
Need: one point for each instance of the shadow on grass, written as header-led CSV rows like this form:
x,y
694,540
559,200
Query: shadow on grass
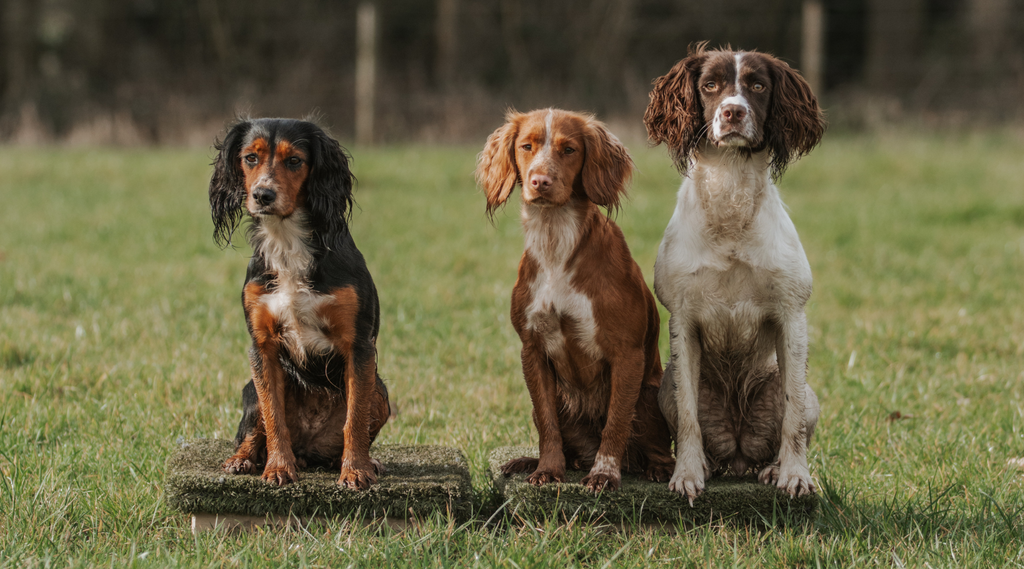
x,y
937,513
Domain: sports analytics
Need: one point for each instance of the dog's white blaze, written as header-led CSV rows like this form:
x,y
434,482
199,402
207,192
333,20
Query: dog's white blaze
x,y
738,58
746,127
544,154
551,235
265,179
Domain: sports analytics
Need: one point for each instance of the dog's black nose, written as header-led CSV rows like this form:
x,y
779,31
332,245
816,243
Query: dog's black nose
x,y
264,196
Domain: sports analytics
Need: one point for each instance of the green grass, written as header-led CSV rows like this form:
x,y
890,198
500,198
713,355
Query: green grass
x,y
121,330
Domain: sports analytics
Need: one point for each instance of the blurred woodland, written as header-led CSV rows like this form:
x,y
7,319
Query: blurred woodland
x,y
175,71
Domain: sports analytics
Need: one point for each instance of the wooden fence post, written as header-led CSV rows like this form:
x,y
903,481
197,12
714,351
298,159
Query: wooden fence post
x,y
812,58
366,71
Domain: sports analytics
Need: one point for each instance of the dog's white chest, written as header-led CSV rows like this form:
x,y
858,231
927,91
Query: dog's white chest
x,y
298,311
731,284
556,308
554,300
731,306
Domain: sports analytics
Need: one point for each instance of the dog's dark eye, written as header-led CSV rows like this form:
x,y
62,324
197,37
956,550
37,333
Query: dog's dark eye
x,y
527,147
251,159
710,86
757,87
568,150
294,161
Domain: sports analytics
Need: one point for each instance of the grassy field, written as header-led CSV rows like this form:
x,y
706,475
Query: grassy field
x,y
121,331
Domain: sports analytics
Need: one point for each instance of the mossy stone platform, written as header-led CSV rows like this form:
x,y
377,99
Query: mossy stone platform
x,y
418,481
734,499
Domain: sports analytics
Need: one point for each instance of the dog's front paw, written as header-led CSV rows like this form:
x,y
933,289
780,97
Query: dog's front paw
x,y
604,475
794,480
378,467
541,477
689,475
519,465
689,484
280,473
239,464
597,482
357,478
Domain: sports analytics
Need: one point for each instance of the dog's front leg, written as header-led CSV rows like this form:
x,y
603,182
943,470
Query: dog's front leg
x,y
790,473
269,379
627,379
357,470
540,381
678,402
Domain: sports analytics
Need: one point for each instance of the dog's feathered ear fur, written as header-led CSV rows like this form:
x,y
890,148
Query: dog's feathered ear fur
x,y
496,170
795,123
607,166
329,184
675,114
227,185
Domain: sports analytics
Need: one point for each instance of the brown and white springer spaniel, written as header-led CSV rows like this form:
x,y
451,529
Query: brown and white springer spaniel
x,y
731,269
588,323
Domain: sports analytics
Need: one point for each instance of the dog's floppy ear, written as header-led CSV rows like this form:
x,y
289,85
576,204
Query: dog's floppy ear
x,y
329,183
607,166
496,170
795,123
675,114
227,185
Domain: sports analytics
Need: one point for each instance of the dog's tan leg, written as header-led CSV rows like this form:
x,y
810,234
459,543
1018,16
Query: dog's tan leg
x,y
793,475
269,379
678,399
357,470
627,379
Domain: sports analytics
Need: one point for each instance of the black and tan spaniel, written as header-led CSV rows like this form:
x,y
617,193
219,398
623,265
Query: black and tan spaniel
x,y
315,397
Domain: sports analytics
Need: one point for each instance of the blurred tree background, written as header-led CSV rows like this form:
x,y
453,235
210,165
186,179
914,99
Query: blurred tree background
x,y
174,71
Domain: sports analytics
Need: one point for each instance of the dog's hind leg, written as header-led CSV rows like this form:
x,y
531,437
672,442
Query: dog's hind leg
x,y
250,413
251,440
650,448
